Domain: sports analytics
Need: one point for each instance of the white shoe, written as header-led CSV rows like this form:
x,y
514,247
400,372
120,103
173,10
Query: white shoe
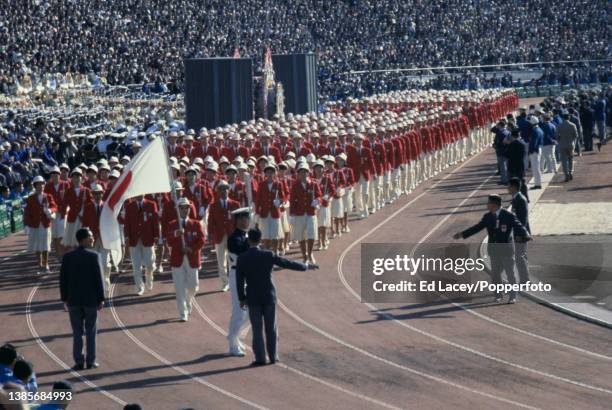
x,y
347,230
160,269
237,353
149,286
224,288
184,317
140,291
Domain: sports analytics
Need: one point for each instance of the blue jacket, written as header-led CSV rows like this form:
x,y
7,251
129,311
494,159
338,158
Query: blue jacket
x,y
524,127
550,132
536,140
254,269
600,109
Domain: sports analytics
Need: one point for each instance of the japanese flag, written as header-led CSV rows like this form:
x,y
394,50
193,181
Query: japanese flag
x,y
146,173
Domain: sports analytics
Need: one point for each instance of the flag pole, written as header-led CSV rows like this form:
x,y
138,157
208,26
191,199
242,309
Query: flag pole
x,y
172,185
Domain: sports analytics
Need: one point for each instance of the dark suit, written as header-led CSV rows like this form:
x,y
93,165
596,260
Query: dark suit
x,y
521,210
254,269
81,288
517,154
500,247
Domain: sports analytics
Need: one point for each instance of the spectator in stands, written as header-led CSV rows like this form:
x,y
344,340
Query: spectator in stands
x,y
23,371
8,357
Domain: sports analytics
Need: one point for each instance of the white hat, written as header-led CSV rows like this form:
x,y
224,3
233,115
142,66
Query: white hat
x,y
177,185
114,174
55,170
183,202
97,188
303,165
38,179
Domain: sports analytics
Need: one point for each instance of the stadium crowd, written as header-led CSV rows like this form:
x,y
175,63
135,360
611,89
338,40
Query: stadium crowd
x,y
134,41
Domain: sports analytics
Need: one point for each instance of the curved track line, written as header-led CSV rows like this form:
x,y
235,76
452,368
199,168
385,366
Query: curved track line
x,y
430,335
168,363
56,359
297,371
399,366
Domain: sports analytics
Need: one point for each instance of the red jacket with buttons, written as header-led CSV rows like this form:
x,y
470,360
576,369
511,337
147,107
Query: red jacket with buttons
x,y
34,212
221,220
302,197
58,194
141,224
91,217
193,238
75,202
264,203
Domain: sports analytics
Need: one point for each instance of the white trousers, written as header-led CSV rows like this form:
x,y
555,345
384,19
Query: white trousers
x,y
361,194
186,282
550,161
222,255
534,158
142,256
239,319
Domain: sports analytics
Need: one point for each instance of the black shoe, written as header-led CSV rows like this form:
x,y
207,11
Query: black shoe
x,y
93,365
536,187
78,366
257,364
567,179
571,177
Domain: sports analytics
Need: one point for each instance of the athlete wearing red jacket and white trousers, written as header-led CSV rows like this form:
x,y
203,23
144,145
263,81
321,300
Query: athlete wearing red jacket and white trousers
x,y
142,233
220,226
186,239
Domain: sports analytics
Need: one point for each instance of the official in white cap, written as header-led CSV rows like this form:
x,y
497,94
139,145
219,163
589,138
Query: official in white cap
x,y
39,211
237,243
186,239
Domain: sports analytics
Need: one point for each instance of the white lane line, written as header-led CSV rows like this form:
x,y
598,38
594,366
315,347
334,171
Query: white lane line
x,y
168,363
430,335
400,366
297,371
56,359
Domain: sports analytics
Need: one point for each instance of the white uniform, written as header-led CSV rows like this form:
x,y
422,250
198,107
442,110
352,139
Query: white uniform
x,y
240,317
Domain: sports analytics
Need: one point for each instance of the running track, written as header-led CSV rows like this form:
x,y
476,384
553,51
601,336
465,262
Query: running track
x,y
336,352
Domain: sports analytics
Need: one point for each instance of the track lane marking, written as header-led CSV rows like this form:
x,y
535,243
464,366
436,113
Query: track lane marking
x,y
430,335
171,365
297,371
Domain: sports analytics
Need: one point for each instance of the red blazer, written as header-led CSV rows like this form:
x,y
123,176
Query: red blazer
x,y
75,203
239,193
258,151
142,224
177,151
339,180
264,205
91,217
58,195
201,195
34,214
327,188
284,149
301,199
193,238
381,162
169,214
362,164
320,150
231,152
210,150
221,220
194,152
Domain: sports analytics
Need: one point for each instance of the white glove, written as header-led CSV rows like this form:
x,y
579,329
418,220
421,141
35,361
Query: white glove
x,y
341,192
202,212
277,203
314,203
48,213
326,197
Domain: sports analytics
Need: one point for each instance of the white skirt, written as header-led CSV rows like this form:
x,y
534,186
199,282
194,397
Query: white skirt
x,y
285,222
305,227
337,208
69,238
270,228
348,201
324,217
39,239
57,227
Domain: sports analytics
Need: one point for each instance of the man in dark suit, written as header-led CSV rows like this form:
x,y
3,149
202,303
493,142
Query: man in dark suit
x,y
521,210
82,292
254,268
500,225
516,153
